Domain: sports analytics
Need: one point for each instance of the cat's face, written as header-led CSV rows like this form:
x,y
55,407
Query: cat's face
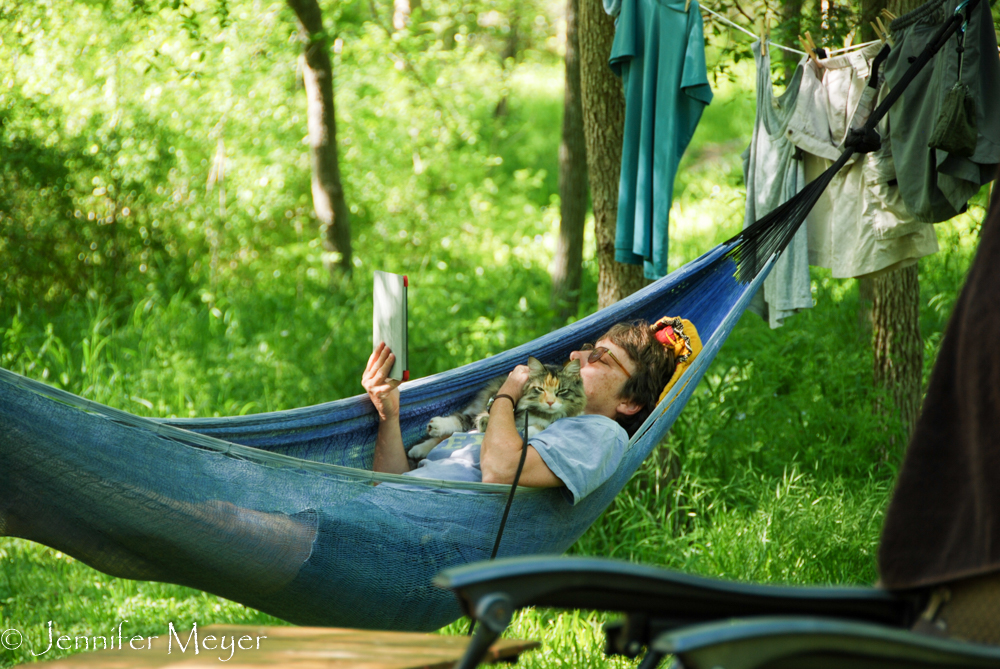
x,y
554,390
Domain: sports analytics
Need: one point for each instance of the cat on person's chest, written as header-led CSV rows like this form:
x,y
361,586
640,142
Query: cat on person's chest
x,y
551,392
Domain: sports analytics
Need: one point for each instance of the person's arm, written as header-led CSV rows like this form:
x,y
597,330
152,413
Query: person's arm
x,y
501,449
390,456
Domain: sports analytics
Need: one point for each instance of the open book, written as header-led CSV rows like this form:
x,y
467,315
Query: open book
x,y
389,320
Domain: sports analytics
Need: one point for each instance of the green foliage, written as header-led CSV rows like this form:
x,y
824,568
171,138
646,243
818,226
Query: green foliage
x,y
158,253
72,220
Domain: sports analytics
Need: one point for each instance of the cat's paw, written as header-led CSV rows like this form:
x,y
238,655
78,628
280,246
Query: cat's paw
x,y
443,426
482,420
420,451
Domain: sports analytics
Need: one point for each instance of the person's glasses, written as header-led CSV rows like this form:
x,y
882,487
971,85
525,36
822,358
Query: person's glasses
x,y
598,353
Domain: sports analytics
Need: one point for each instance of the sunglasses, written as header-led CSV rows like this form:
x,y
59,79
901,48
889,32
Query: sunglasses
x,y
598,353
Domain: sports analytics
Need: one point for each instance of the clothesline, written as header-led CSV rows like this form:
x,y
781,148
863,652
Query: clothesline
x,y
748,32
781,46
853,47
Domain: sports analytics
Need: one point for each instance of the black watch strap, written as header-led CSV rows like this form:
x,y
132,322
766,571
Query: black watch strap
x,y
489,405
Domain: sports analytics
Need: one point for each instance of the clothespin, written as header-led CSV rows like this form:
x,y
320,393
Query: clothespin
x,y
765,34
878,31
810,48
884,32
890,17
818,50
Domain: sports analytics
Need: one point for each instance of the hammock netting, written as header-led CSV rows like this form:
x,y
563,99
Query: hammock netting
x,y
280,511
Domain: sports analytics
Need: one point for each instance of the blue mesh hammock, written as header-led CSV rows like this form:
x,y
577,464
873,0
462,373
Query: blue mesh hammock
x,y
278,511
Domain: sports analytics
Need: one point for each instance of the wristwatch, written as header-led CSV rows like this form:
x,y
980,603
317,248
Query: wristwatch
x,y
489,402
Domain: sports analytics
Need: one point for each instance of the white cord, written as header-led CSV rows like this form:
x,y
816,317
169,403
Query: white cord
x,y
739,27
781,46
853,47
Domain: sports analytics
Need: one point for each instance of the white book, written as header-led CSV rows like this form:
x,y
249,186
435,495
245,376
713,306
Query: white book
x,y
389,320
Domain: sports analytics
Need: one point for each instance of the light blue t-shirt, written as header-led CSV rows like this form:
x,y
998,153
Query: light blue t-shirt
x,y
582,451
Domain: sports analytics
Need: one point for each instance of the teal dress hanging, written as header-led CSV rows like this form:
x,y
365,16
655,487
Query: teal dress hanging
x,y
659,52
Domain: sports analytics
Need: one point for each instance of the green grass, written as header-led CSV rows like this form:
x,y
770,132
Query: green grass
x,y
773,472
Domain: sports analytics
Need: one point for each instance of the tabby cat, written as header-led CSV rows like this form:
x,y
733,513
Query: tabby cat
x,y
551,392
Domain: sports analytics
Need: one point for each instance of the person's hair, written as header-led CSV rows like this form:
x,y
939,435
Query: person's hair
x,y
654,365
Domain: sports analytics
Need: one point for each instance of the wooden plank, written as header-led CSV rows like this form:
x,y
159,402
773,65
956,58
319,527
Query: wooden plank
x,y
236,646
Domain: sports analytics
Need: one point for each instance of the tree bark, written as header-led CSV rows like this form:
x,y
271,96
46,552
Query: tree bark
x,y
567,266
603,127
898,347
327,189
895,308
791,26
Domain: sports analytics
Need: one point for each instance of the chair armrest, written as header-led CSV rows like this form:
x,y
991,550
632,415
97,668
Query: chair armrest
x,y
816,643
613,585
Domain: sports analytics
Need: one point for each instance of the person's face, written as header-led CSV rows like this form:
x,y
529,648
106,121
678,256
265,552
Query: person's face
x,y
603,379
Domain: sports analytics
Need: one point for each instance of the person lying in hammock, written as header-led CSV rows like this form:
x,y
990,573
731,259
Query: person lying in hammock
x,y
622,374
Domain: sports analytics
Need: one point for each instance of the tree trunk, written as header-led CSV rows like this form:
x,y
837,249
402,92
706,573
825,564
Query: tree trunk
x,y
899,350
895,307
327,190
567,265
603,127
791,26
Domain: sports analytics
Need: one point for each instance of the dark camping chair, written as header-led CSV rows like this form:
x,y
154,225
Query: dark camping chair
x,y
815,643
707,622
